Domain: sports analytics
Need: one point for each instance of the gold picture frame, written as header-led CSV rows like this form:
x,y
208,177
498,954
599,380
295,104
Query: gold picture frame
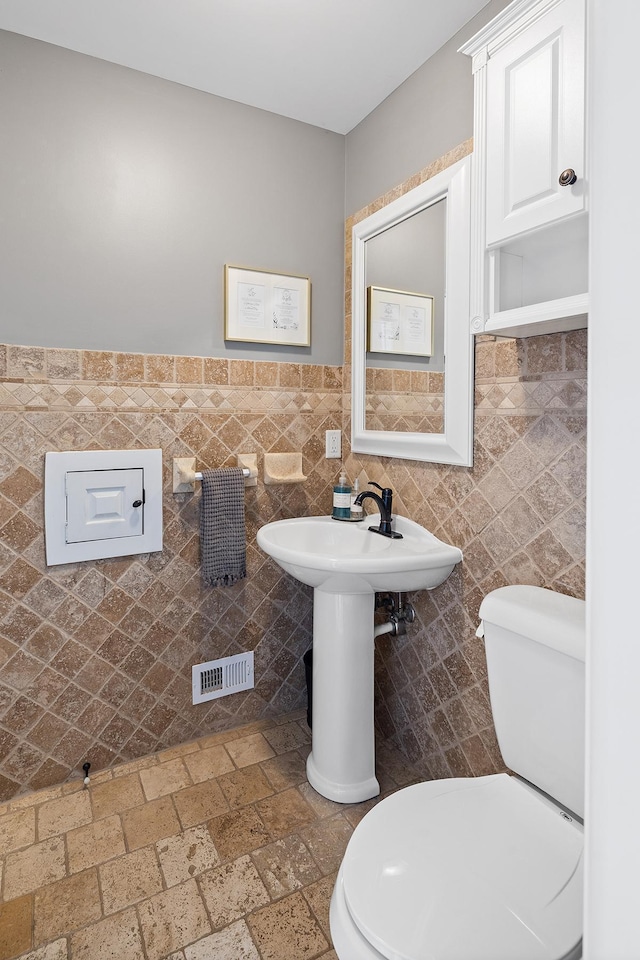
x,y
399,322
262,306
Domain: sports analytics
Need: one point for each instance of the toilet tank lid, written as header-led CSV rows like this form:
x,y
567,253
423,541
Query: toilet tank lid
x,y
550,618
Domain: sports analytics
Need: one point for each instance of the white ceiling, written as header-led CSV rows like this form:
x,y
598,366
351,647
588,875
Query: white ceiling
x,y
325,62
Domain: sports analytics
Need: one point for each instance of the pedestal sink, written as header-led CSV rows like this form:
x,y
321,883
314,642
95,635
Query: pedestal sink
x,y
347,564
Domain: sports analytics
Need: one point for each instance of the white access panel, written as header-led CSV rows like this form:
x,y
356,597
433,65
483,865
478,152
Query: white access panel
x,y
102,503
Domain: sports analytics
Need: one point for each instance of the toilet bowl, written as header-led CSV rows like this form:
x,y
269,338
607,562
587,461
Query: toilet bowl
x,y
486,868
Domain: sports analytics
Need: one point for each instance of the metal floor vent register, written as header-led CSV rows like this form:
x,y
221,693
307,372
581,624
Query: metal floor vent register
x,y
218,678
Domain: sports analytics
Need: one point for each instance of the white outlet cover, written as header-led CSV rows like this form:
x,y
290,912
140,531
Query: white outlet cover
x,y
333,444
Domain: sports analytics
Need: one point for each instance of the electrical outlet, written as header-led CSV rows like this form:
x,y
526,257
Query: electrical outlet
x,y
333,444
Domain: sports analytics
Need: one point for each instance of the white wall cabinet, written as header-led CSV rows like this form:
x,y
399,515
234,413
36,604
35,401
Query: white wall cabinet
x,y
102,503
529,236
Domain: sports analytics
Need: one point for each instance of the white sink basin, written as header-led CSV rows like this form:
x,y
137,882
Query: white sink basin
x,y
347,564
338,556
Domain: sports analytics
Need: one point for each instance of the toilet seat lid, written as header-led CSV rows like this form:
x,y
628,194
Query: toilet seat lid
x,y
476,868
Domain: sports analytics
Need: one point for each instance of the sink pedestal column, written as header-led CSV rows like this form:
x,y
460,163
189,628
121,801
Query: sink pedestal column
x,y
341,765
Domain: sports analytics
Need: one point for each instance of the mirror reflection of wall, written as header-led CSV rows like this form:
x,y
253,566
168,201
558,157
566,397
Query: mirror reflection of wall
x,y
404,392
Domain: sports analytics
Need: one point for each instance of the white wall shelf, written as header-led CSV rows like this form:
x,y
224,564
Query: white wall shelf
x,y
553,316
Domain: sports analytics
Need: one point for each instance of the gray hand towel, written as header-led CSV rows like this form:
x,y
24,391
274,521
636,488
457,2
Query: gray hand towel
x,y
223,547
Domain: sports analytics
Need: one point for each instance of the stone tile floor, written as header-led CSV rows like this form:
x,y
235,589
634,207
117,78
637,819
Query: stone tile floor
x,y
217,848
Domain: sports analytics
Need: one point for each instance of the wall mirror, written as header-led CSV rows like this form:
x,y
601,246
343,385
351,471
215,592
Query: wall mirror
x,y
412,349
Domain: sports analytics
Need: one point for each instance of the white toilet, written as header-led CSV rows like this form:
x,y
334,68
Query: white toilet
x,y
486,868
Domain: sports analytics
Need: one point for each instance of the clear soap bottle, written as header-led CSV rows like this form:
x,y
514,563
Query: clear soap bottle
x,y
357,512
341,499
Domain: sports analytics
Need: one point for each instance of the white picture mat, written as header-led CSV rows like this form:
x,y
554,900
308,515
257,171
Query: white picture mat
x,y
399,322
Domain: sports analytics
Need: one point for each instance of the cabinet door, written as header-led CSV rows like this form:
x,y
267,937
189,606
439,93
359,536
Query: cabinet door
x,y
100,504
535,123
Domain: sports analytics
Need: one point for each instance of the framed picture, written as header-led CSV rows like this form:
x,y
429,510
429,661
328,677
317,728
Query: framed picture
x,y
261,306
399,322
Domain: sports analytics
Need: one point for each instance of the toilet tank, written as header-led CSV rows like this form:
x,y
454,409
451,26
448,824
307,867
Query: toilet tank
x,y
535,646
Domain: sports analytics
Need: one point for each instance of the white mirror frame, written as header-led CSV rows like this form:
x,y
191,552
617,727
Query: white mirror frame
x,y
455,444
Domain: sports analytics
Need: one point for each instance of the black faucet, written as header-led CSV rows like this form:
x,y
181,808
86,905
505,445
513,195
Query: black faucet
x,y
384,506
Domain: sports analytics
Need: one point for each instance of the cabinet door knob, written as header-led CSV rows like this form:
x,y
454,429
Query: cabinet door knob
x,y
137,503
567,177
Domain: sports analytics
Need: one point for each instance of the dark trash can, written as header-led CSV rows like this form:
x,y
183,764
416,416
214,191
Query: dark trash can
x,y
308,676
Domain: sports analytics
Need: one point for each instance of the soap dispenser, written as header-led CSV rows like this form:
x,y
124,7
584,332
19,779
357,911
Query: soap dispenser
x,y
341,499
357,513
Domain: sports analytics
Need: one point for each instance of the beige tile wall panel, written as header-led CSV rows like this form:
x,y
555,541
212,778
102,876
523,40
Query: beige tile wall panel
x,y
95,657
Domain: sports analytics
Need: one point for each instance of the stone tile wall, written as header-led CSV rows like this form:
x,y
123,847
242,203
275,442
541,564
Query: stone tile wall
x,y
95,657
518,516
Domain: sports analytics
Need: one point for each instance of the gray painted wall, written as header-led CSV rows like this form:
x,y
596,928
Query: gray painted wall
x,y
428,115
122,196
